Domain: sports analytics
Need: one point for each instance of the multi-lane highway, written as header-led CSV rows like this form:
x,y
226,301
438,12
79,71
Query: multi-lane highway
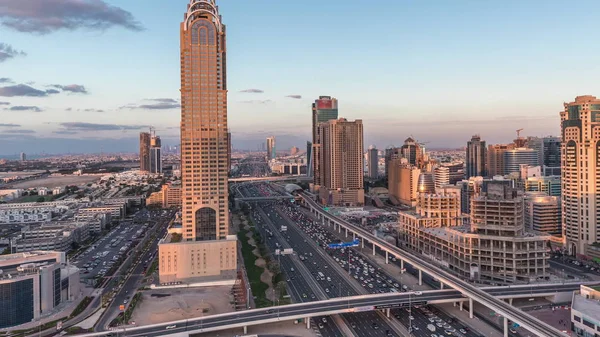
x,y
474,293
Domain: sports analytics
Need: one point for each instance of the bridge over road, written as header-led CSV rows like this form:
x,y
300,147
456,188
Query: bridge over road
x,y
385,302
472,292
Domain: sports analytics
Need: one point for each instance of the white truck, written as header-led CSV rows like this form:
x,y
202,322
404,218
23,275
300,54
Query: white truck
x,y
431,327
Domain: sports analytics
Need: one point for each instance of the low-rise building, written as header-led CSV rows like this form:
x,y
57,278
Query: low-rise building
x,y
56,236
117,211
32,212
197,261
33,284
585,311
169,196
96,221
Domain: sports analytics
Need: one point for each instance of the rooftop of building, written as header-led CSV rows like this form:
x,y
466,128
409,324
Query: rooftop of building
x,y
444,232
10,258
589,307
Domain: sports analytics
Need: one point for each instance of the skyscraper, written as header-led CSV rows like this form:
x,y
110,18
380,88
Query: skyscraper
x,y
373,163
495,159
206,250
513,159
341,162
229,151
476,157
580,166
155,155
145,151
271,150
323,109
23,156
391,153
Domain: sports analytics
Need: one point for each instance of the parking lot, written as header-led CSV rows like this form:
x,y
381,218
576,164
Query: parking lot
x,y
97,260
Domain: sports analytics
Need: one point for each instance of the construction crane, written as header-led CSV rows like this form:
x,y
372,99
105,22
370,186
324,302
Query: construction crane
x,y
519,133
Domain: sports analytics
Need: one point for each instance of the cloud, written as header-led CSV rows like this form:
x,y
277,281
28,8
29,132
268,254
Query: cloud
x,y
156,104
4,103
19,131
5,80
6,51
9,125
65,132
250,91
74,88
257,102
22,90
82,126
52,91
91,110
68,109
47,16
25,108
294,96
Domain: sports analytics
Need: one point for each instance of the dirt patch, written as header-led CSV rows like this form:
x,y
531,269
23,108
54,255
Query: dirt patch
x,y
182,304
260,262
59,181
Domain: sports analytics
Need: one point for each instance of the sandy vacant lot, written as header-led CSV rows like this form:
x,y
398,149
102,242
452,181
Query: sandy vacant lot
x,y
52,182
182,304
19,173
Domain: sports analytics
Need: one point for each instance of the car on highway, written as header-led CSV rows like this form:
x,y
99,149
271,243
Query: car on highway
x,y
169,327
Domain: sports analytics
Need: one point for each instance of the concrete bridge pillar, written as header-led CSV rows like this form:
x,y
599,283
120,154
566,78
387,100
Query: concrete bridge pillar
x,y
387,257
373,244
323,222
460,305
353,236
510,300
346,232
363,242
505,326
441,285
339,228
387,312
401,264
470,308
307,322
245,330
420,277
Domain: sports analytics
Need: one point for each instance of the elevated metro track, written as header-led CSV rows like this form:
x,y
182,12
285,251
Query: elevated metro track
x,y
472,292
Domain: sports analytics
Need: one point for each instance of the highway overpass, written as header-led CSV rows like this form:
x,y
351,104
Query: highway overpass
x,y
306,310
279,178
469,290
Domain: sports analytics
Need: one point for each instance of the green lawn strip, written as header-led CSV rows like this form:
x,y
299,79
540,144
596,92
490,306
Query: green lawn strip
x,y
258,287
81,306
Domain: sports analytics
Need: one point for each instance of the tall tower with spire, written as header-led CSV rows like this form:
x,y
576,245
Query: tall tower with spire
x,y
205,251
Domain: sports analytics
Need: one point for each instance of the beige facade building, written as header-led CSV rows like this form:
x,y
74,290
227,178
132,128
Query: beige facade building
x,y
169,196
494,248
495,158
580,160
543,213
341,162
204,147
190,262
403,181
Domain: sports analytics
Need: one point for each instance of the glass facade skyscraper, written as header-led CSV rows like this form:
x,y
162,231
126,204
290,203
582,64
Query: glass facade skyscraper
x,y
323,109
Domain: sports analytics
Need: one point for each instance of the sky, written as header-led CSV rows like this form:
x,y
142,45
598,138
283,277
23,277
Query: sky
x,y
89,75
